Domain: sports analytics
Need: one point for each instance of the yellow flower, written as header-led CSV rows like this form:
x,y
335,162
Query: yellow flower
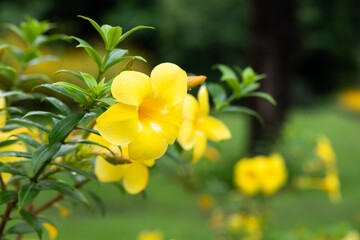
x,y
193,81
135,174
205,201
148,111
51,229
350,99
150,235
331,185
351,235
2,112
212,154
64,212
249,225
197,126
265,174
324,150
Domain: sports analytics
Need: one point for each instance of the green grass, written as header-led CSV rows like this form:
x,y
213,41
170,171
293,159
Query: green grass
x,y
173,210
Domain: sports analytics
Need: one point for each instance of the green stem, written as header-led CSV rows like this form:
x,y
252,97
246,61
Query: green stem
x,y
101,70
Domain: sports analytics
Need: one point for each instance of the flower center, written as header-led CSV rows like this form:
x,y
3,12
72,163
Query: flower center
x,y
149,111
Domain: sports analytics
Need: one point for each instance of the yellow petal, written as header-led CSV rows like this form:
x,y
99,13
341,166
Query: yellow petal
x,y
193,81
191,107
64,212
119,124
6,177
149,163
136,177
2,113
131,87
186,136
214,129
169,82
107,172
200,146
19,146
51,229
148,144
203,98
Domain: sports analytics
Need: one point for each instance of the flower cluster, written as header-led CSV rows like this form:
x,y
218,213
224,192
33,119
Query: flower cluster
x,y
260,174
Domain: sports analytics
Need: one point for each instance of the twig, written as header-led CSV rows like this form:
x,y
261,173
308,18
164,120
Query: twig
x,y
6,216
57,198
3,186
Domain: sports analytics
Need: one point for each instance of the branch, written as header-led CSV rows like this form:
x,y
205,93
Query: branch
x,y
6,216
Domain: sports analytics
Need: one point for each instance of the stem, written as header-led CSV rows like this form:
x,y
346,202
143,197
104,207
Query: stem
x,y
6,216
3,186
101,71
57,198
40,170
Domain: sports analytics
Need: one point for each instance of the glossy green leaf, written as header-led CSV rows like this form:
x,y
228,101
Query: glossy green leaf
x,y
89,49
113,37
42,113
42,59
72,73
64,127
97,27
43,153
229,76
244,110
64,189
263,95
13,171
42,39
26,194
85,141
72,88
90,82
34,77
99,202
6,196
107,101
218,94
20,228
125,35
33,222
9,72
8,142
15,154
77,170
28,140
58,104
115,57
28,123
89,130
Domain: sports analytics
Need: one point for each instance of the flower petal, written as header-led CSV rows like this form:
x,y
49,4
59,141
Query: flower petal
x,y
169,82
131,87
107,172
215,130
186,136
51,229
2,113
148,144
203,98
136,177
200,146
149,163
191,107
119,124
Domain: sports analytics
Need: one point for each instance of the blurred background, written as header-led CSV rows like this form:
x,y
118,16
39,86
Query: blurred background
x,y
310,52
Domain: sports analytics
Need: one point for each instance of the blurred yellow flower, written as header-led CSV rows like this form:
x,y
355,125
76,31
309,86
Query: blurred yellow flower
x,y
64,212
205,201
331,185
248,225
2,112
351,235
261,173
135,174
212,154
148,111
51,229
150,235
197,126
350,99
324,150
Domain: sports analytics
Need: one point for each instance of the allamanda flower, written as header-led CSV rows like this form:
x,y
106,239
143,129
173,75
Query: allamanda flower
x,y
148,111
324,151
135,174
261,173
197,126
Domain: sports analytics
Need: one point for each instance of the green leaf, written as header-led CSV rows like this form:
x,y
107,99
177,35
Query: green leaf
x,y
34,77
70,73
218,94
125,35
72,88
42,113
229,76
249,88
20,228
15,29
42,59
42,39
11,109
98,202
64,189
15,154
27,123
244,110
78,170
11,93
13,171
26,194
97,27
113,37
58,104
6,196
28,140
263,95
89,130
33,221
58,89
115,57
89,49
64,127
9,71
85,141
8,142
64,149
90,82
43,153
108,101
